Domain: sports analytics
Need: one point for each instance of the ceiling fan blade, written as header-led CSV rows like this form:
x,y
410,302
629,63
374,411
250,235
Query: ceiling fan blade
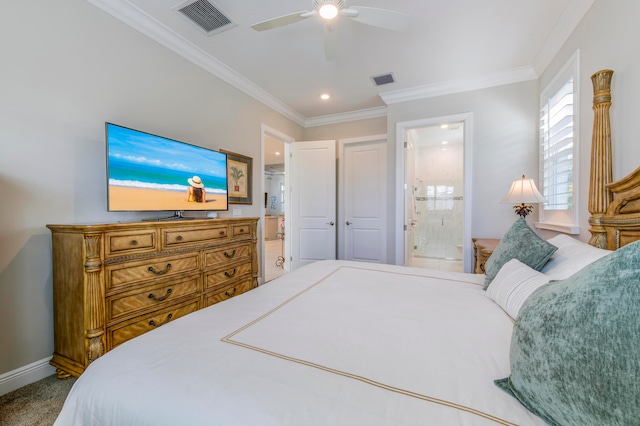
x,y
331,44
381,18
281,21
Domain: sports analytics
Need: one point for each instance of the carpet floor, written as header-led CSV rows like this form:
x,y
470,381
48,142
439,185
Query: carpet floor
x,y
37,404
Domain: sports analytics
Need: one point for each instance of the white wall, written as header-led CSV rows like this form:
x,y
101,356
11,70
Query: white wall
x,y
606,38
352,129
67,67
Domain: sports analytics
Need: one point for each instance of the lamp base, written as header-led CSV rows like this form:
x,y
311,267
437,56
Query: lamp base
x,y
523,209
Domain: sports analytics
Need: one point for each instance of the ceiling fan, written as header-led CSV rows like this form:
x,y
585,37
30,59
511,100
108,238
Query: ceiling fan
x,y
329,10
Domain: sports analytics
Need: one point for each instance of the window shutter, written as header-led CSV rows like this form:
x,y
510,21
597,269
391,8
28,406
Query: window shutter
x,y
559,118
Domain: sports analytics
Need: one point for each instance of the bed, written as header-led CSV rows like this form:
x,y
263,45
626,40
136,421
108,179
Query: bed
x,y
351,343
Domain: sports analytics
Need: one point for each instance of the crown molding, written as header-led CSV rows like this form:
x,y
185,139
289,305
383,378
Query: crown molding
x,y
362,114
515,75
566,25
147,25
134,17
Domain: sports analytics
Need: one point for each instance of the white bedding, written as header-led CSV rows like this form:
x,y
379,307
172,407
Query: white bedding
x,y
333,343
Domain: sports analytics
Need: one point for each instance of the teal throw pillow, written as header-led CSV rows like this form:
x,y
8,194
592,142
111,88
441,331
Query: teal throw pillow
x,y
575,349
522,243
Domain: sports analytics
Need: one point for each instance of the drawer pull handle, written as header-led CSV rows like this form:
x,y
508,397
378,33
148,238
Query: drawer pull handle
x,y
221,232
230,256
179,238
233,293
161,298
160,324
164,271
241,230
230,274
134,242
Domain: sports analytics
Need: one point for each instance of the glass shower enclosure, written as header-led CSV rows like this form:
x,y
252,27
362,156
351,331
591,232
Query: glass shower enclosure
x,y
435,164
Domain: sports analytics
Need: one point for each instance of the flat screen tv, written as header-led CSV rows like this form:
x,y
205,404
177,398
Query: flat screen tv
x,y
146,172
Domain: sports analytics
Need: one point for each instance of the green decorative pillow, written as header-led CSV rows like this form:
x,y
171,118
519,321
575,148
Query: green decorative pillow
x,y
575,349
522,243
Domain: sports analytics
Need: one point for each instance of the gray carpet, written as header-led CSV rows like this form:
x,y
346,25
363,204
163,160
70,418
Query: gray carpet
x,y
37,404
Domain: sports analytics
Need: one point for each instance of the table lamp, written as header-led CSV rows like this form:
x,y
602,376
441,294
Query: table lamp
x,y
524,192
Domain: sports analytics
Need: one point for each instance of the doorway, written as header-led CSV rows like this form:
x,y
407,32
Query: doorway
x,y
274,203
436,188
309,204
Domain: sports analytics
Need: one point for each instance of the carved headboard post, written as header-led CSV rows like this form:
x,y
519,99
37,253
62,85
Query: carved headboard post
x,y
601,172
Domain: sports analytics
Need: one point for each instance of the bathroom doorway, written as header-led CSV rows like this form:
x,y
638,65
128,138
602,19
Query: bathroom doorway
x,y
434,194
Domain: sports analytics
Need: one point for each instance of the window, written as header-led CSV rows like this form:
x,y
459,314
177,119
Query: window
x,y
559,105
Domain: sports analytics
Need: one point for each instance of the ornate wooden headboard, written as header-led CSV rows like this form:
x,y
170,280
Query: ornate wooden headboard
x,y
614,206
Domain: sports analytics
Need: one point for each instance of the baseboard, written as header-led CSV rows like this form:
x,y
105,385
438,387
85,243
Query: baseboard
x,y
26,375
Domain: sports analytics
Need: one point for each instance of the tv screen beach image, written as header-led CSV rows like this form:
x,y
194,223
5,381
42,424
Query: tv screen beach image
x,y
149,173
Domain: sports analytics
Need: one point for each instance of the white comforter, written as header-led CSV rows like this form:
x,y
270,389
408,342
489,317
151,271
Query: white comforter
x,y
333,343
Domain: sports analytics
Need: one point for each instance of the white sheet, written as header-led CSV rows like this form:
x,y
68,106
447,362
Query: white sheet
x,y
333,343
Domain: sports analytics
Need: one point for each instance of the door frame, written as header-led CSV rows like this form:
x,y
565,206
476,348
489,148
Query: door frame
x,y
287,140
401,185
342,145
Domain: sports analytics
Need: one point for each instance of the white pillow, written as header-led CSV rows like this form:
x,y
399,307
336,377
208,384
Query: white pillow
x,y
571,256
512,285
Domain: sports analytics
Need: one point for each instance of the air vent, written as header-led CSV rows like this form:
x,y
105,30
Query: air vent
x,y
382,79
206,16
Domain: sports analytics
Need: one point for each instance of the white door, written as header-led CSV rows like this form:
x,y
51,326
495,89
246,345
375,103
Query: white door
x,y
364,200
313,202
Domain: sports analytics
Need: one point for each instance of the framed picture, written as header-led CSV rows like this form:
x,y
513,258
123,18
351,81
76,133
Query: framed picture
x,y
239,177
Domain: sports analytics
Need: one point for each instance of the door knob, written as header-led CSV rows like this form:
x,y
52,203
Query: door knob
x,y
348,223
330,223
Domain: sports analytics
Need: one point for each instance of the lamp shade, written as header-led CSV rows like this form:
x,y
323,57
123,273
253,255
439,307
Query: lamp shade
x,y
523,191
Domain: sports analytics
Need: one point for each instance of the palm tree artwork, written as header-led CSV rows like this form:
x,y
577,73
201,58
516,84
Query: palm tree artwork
x,y
236,175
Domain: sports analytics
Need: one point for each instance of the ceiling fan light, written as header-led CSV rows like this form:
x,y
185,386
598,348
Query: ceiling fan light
x,y
328,11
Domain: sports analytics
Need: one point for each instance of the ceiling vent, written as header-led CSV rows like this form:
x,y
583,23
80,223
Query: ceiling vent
x,y
206,16
383,79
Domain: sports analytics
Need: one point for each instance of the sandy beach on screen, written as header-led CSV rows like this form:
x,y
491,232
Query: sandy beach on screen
x,y
127,198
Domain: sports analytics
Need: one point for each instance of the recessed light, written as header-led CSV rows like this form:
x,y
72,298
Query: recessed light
x,y
444,126
324,96
445,142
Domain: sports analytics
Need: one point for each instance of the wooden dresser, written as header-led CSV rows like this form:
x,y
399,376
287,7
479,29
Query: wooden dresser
x,y
113,282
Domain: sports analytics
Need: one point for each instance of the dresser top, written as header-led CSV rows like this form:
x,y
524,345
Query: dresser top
x,y
181,223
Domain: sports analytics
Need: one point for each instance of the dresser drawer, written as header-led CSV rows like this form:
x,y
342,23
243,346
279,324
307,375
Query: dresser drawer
x,y
191,236
151,297
130,242
219,256
124,331
240,230
126,274
228,292
222,276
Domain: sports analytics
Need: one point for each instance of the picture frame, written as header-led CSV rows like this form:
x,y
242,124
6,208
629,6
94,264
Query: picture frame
x,y
239,175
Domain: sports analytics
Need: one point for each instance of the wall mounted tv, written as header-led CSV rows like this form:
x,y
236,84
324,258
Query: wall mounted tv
x,y
146,172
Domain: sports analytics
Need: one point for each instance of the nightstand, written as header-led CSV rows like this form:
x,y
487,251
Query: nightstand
x,y
482,249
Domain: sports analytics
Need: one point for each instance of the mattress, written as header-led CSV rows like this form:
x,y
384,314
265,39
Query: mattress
x,y
332,343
